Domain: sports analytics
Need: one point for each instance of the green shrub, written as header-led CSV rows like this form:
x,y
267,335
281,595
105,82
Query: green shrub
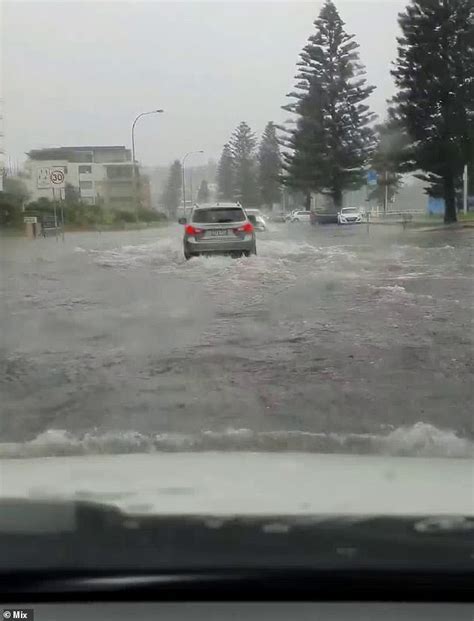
x,y
122,216
11,214
149,215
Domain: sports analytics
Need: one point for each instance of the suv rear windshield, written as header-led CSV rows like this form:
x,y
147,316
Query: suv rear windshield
x,y
214,216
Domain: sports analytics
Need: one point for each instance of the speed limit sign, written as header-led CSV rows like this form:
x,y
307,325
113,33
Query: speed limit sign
x,y
57,178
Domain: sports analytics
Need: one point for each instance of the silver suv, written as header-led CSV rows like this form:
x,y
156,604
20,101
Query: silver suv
x,y
218,229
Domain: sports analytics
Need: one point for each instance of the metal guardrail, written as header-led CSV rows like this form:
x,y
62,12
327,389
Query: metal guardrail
x,y
402,215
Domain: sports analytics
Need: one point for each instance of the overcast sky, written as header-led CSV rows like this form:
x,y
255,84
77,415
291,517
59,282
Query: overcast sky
x,y
76,73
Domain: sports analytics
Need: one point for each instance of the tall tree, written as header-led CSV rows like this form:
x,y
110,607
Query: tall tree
x,y
12,200
172,193
17,187
242,146
269,160
332,141
298,161
435,100
225,175
203,192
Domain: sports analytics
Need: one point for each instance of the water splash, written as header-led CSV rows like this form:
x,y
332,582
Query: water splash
x,y
419,440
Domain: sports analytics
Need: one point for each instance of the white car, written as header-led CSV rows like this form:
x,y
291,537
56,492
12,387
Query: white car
x,y
349,215
256,218
301,216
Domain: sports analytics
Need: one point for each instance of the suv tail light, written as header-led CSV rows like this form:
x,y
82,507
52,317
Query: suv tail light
x,y
246,228
192,230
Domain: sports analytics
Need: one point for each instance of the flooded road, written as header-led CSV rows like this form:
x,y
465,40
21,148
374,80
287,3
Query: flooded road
x,y
330,339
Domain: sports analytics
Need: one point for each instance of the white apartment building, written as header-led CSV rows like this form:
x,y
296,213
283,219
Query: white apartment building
x,y
100,173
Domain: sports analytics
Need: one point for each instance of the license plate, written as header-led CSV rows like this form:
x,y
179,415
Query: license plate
x,y
219,233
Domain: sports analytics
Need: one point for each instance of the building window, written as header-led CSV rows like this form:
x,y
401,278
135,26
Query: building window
x,y
119,172
85,185
80,156
83,170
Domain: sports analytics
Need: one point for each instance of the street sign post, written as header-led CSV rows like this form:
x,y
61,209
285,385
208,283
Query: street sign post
x,y
62,214
54,179
42,178
48,177
55,213
57,178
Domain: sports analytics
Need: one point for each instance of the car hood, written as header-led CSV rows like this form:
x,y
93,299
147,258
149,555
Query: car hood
x,y
242,483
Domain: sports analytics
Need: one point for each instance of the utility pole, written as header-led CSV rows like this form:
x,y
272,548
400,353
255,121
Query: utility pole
x,y
385,198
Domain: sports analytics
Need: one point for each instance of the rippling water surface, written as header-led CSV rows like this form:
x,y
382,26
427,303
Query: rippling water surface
x,y
330,339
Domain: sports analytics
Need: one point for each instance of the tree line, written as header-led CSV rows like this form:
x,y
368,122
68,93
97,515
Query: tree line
x,y
250,173
247,172
429,130
332,140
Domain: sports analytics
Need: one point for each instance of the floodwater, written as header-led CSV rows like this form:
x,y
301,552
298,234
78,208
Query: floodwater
x,y
330,339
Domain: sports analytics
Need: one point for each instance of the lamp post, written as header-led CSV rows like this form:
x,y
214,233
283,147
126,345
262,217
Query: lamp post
x,y
183,161
134,168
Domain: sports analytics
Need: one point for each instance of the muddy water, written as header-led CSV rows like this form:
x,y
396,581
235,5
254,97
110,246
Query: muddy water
x,y
331,338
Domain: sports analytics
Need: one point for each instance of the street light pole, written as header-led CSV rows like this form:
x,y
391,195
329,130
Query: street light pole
x,y
183,161
134,168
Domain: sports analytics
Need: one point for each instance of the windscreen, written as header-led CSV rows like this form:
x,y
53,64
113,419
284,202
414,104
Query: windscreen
x,y
161,352
218,216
